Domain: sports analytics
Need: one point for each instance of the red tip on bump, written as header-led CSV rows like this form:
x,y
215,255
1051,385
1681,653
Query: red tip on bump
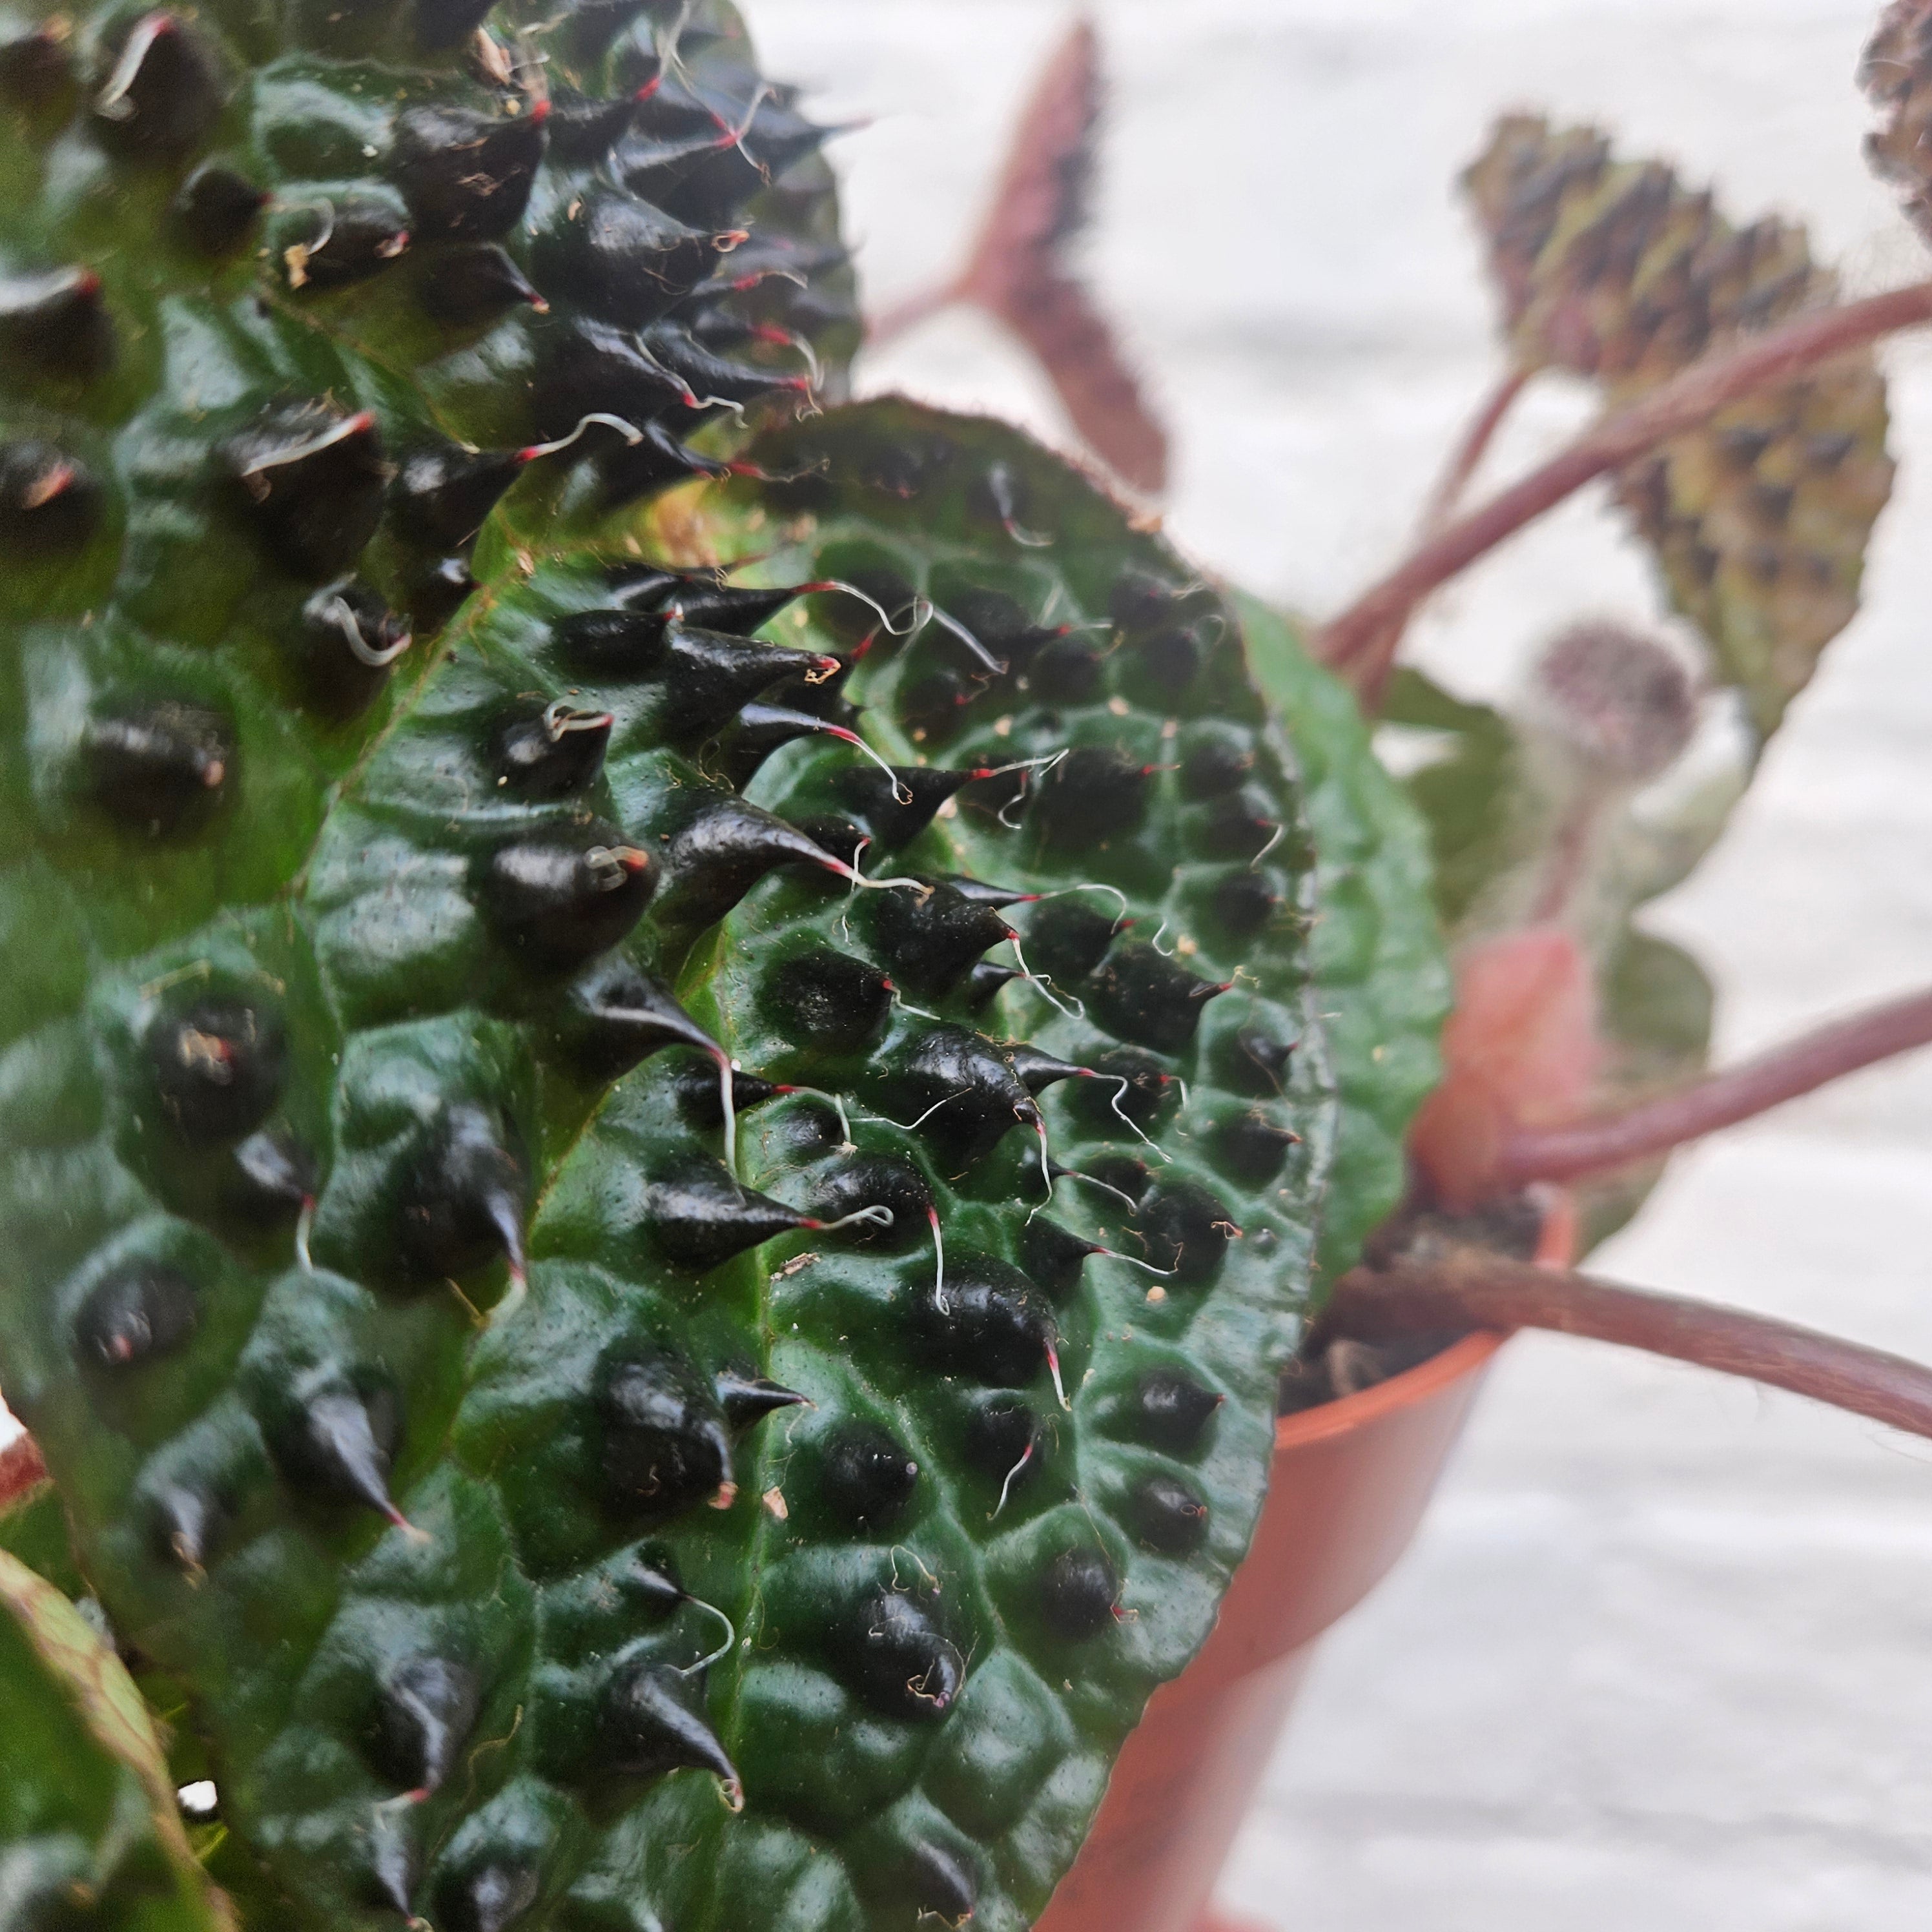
x,y
87,283
540,113
649,88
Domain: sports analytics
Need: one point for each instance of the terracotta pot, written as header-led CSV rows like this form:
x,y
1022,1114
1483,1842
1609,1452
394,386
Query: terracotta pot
x,y
1350,1482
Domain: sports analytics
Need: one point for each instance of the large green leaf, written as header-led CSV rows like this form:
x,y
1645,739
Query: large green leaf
x,y
936,1650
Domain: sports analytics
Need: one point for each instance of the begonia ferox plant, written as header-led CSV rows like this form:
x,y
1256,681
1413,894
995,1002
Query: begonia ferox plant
x,y
679,1060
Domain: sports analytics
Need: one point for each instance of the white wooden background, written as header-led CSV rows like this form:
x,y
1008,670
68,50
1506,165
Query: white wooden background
x,y
1663,1658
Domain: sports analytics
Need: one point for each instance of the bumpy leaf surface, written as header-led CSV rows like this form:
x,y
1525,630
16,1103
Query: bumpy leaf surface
x,y
87,1814
428,1406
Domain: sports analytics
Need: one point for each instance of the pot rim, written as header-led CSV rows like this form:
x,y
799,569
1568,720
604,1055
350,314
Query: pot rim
x,y
1348,1412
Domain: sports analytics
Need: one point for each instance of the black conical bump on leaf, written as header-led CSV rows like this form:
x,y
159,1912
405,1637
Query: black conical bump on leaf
x,y
360,236
1140,994
619,646
646,1726
897,1658
347,643
663,1443
440,498
1077,1593
966,1091
1069,671
490,1896
560,899
463,1197
1243,902
309,481
702,1103
588,27
1216,761
1252,1148
1065,939
140,1311
986,1322
1095,794
158,90
985,980
672,343
867,1478
1053,1256
1168,1410
56,322
828,1000
468,287
1238,825
215,208
701,1217
589,366
1186,1229
424,1708
336,1443
760,729
897,809
273,1178
1129,1084
1138,599
888,1180
218,1066
646,1577
845,841
1167,1515
437,590
1038,1070
48,501
36,67
736,608
1003,1440
465,175
185,1520
158,768
721,854
1253,1063
625,260
584,128
941,1883
616,1015
933,940
747,1399
550,752
709,674
1125,1173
